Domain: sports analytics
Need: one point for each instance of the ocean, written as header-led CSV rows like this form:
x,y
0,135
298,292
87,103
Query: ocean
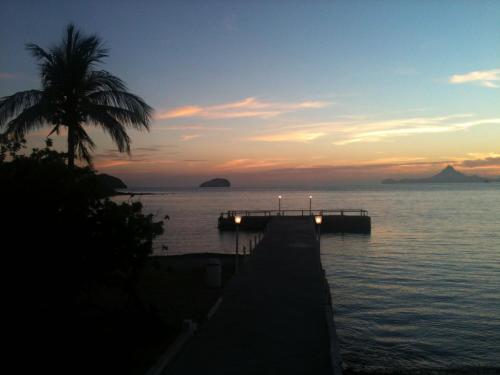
x,y
421,292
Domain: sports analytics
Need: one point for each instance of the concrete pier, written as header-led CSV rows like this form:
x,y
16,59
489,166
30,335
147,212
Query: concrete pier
x,y
272,316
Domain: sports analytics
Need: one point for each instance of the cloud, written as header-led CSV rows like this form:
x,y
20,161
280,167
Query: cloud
x,y
245,164
363,130
189,137
488,162
301,136
389,163
485,78
190,127
186,111
107,164
148,149
247,108
379,131
484,160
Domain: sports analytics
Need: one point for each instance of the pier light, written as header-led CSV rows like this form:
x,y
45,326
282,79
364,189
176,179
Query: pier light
x,y
318,219
279,204
237,221
310,204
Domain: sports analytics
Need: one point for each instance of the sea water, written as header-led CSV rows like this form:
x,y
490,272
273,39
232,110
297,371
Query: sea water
x,y
422,291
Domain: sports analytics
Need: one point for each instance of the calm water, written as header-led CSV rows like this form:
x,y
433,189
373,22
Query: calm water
x,y
422,291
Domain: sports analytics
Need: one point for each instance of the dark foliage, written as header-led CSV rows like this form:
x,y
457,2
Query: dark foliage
x,y
65,236
63,242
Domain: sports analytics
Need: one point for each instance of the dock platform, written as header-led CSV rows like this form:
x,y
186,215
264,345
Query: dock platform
x,y
333,220
273,318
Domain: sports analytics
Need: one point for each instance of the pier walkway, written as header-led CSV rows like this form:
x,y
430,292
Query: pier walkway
x,y
272,317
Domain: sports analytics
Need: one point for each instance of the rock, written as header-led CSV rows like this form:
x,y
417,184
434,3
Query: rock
x,y
216,182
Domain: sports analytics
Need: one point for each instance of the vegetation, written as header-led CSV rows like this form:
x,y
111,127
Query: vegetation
x,y
74,257
60,223
74,93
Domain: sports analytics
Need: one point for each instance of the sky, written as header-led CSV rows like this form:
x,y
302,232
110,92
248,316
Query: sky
x,y
284,93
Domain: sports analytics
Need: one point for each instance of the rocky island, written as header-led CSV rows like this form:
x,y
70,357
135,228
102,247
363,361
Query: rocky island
x,y
216,182
447,175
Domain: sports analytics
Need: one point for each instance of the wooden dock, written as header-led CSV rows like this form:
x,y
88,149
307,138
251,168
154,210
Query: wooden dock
x,y
275,315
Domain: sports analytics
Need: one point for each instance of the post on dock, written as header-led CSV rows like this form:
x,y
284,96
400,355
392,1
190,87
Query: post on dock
x,y
237,221
318,219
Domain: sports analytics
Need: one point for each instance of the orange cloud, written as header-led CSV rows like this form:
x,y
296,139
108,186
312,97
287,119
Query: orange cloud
x,y
188,137
249,107
240,164
151,165
186,111
304,137
190,127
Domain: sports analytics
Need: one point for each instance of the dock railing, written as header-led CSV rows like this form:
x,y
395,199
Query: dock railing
x,y
306,212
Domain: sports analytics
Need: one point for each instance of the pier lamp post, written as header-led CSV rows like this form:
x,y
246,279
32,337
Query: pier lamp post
x,y
279,204
310,204
318,219
237,221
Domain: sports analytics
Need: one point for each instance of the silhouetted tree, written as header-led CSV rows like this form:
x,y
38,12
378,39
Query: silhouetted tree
x,y
61,234
75,93
70,261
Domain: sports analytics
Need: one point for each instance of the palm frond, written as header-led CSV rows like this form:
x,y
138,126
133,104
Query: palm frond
x,y
125,107
55,129
11,105
30,119
38,52
77,47
111,126
101,80
84,145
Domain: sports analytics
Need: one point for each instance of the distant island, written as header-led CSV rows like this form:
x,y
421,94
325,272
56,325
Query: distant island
x,y
216,182
109,184
447,175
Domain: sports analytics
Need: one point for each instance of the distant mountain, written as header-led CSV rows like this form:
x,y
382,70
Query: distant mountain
x,y
216,182
447,175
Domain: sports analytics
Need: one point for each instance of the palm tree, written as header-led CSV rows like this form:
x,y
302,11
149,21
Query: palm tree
x,y
74,93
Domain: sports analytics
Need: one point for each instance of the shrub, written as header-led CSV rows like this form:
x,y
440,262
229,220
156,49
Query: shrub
x,y
61,235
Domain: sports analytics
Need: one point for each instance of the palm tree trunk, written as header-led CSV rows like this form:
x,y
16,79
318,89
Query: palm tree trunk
x,y
71,147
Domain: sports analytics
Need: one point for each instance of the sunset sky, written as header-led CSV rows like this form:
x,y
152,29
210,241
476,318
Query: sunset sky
x,y
285,92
